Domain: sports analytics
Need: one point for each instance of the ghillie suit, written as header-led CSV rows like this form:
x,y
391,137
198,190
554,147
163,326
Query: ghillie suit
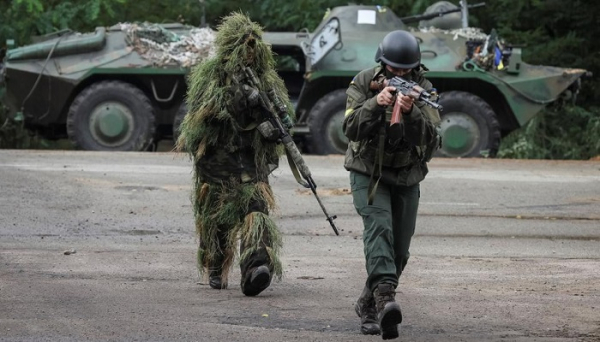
x,y
232,160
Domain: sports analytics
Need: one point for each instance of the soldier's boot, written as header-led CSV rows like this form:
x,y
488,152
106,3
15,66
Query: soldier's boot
x,y
388,311
366,310
257,280
215,278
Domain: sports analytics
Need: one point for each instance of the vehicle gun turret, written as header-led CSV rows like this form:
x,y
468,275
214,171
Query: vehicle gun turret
x,y
437,14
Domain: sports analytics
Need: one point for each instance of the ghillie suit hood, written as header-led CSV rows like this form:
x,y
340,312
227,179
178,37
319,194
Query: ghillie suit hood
x,y
232,160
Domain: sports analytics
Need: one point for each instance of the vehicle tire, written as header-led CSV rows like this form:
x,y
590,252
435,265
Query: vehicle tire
x,y
111,116
469,126
325,124
181,112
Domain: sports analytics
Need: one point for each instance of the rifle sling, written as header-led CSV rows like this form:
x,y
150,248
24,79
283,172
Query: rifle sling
x,y
250,127
294,169
378,164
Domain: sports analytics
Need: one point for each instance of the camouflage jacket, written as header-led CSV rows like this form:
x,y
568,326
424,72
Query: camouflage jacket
x,y
239,150
403,163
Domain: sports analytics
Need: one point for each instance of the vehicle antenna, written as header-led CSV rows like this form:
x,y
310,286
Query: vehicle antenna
x,y
465,13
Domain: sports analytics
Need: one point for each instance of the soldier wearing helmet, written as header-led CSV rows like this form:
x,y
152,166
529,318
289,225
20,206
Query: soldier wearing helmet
x,y
386,168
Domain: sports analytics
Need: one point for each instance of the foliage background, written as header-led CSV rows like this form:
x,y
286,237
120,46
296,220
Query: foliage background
x,y
552,32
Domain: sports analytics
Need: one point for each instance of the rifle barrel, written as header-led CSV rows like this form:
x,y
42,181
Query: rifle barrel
x,y
329,218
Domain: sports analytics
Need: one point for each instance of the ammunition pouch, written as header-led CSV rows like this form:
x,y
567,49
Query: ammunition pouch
x,y
268,131
393,159
357,159
395,133
432,148
407,176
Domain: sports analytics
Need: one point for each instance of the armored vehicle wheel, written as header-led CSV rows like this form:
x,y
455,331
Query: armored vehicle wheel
x,y
181,112
325,124
469,126
111,116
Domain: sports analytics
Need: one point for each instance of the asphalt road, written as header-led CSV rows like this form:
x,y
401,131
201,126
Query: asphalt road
x,y
100,247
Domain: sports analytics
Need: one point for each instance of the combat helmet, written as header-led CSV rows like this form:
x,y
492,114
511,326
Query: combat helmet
x,y
399,49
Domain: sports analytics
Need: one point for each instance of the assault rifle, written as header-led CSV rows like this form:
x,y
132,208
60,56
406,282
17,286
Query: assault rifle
x,y
278,112
412,89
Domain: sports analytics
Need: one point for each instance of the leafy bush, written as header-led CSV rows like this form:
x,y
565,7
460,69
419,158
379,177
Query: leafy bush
x,y
570,132
13,135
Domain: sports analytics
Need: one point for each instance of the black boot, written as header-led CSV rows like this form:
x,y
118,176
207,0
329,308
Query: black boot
x,y
388,311
256,281
365,309
215,280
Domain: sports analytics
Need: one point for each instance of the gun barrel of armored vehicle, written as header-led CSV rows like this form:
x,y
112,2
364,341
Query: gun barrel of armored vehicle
x,y
58,47
419,17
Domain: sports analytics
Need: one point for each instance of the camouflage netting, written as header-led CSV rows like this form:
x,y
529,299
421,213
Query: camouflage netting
x,y
163,47
484,51
467,32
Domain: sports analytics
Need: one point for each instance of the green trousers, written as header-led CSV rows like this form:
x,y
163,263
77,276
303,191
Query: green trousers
x,y
389,224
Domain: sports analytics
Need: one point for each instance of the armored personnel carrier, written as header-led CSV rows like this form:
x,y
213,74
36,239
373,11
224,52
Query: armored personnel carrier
x,y
485,87
118,88
122,88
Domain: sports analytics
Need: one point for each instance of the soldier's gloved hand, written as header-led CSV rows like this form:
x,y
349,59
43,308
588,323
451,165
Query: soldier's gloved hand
x,y
287,122
252,95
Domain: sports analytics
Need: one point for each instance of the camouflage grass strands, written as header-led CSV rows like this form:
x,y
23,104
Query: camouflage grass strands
x,y
206,95
222,204
258,227
225,205
240,40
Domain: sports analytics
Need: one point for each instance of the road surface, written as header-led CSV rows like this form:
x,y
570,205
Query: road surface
x,y
100,246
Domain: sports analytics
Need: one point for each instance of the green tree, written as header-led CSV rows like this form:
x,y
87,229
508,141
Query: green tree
x,y
22,19
559,133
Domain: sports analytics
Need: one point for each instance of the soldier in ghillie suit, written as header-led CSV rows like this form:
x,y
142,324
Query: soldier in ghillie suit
x,y
228,139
